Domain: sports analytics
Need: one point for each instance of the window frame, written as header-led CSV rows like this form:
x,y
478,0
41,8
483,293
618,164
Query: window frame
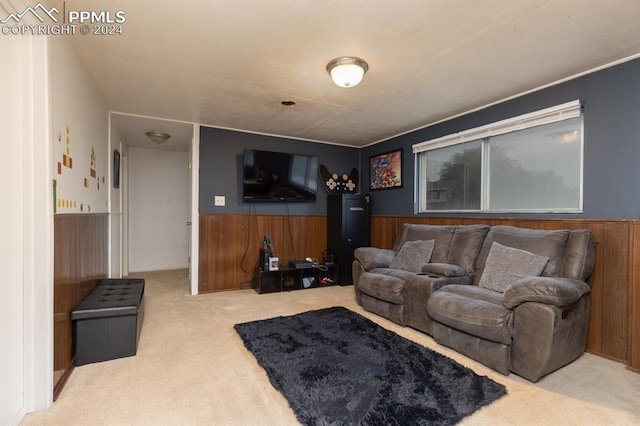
x,y
483,134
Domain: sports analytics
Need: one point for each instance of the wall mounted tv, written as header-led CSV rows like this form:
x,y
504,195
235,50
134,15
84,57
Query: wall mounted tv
x,y
278,177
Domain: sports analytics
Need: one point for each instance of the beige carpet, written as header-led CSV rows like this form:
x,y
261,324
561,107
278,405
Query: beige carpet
x,y
192,369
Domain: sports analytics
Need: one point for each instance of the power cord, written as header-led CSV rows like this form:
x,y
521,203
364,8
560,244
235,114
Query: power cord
x,y
247,222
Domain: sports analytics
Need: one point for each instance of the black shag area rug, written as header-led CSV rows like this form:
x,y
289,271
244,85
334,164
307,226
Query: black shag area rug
x,y
336,367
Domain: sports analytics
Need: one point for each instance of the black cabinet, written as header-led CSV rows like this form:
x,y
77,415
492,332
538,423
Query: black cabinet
x,y
348,227
286,279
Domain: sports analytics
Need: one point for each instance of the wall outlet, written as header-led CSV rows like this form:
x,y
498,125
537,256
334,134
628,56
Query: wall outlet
x,y
219,200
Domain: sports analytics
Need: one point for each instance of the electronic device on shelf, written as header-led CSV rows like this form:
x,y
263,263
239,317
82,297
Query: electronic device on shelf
x,y
301,264
269,176
266,254
328,258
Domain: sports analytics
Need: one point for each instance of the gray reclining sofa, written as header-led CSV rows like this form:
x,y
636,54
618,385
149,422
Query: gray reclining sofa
x,y
514,299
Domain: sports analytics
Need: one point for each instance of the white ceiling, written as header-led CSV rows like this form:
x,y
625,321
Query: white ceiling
x,y
131,129
229,63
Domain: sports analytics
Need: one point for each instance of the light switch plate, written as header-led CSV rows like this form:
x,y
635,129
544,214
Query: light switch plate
x,y
219,200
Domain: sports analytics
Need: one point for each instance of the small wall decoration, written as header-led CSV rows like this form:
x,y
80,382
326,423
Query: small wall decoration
x,y
335,184
67,161
385,170
116,168
92,168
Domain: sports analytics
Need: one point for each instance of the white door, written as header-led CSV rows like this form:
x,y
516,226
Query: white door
x,y
158,185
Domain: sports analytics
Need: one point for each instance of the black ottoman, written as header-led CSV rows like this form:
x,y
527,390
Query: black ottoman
x,y
108,321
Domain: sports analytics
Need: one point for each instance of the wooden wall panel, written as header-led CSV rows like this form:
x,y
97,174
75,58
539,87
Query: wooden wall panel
x,y
80,260
616,290
634,300
230,243
227,254
384,230
594,338
307,237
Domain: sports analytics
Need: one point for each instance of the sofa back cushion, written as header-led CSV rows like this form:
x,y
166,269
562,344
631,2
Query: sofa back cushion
x,y
465,246
580,255
441,235
550,244
413,256
505,265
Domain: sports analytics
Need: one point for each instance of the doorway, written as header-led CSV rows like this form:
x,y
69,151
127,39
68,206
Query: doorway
x,y
155,193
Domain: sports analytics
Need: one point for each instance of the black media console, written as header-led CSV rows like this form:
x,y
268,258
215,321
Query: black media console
x,y
286,279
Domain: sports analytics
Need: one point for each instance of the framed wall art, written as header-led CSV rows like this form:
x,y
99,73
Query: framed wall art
x,y
385,170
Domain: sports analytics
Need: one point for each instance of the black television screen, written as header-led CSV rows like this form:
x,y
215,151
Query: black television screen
x,y
278,176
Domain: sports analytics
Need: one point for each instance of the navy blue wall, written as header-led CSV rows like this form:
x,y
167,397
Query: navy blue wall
x,y
611,98
221,169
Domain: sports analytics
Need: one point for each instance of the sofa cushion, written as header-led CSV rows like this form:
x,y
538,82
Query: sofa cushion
x,y
372,257
507,264
465,246
543,243
383,287
396,273
413,256
548,290
440,234
445,270
473,310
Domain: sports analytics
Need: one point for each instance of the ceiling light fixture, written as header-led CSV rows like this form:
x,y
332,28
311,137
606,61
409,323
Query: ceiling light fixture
x,y
347,71
158,137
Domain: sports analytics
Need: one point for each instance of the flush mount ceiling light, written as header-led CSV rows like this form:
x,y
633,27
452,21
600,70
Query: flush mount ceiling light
x,y
158,137
347,71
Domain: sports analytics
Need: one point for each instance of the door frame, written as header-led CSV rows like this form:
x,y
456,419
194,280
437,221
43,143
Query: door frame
x,y
194,164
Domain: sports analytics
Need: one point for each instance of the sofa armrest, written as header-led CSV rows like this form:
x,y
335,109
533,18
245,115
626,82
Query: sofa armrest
x,y
550,290
372,257
445,270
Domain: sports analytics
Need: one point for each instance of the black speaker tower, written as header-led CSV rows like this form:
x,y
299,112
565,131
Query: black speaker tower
x,y
348,227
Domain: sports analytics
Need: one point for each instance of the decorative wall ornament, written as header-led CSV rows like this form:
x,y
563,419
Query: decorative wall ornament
x,y
385,170
336,184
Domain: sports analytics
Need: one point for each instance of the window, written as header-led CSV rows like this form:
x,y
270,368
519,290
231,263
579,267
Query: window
x,y
529,163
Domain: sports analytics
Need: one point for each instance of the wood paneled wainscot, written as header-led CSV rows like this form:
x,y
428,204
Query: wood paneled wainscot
x,y
229,245
80,260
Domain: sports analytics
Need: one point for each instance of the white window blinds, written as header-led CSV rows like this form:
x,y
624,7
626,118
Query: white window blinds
x,y
545,116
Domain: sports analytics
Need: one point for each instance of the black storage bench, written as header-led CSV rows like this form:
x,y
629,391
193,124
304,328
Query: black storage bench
x,y
108,321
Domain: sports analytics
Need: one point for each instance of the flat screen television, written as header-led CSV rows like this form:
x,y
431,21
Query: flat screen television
x,y
278,176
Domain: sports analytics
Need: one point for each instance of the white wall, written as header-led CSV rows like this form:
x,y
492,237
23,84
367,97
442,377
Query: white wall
x,y
158,204
26,252
12,247
80,130
48,89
